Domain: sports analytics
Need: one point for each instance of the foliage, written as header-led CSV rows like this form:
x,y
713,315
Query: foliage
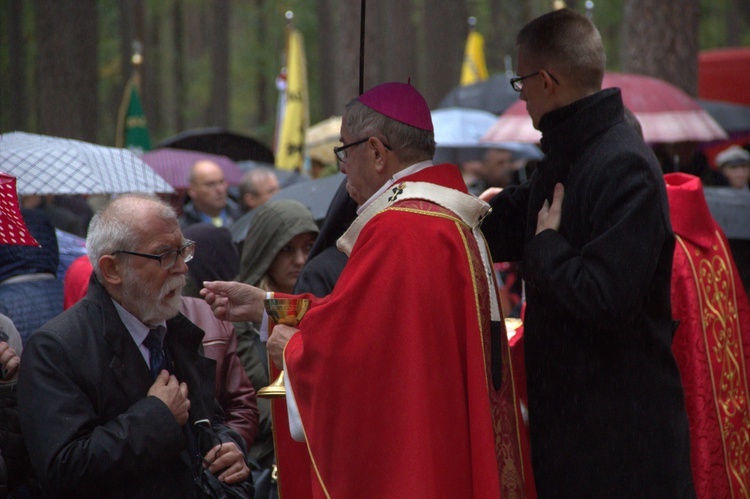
x,y
257,35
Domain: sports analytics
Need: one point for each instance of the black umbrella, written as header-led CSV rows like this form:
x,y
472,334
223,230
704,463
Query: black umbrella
x,y
494,95
216,140
731,210
315,194
734,118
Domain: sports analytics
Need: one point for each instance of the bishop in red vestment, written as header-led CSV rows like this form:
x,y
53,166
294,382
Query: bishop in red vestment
x,y
711,344
402,375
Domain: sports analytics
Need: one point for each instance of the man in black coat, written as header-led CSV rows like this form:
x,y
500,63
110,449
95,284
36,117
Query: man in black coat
x,y
606,404
97,421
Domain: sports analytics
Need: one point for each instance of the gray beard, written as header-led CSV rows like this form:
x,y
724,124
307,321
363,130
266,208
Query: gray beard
x,y
149,309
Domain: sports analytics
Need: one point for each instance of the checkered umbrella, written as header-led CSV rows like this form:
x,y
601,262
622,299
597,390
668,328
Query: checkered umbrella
x,y
52,165
13,230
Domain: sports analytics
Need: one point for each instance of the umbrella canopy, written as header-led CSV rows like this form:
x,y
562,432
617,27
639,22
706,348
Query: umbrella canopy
x,y
731,209
666,113
458,132
52,165
216,140
13,229
494,95
461,127
174,165
732,117
321,138
315,194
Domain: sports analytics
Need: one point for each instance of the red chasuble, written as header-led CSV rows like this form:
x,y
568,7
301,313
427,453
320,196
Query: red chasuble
x,y
391,372
711,344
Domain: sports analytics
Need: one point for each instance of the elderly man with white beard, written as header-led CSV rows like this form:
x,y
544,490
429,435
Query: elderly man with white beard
x,y
115,397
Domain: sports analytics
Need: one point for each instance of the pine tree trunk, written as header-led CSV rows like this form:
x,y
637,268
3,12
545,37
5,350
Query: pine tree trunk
x,y
327,47
218,107
67,42
445,39
17,104
661,40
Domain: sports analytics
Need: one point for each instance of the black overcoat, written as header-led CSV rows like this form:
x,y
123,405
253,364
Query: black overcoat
x,y
90,429
606,404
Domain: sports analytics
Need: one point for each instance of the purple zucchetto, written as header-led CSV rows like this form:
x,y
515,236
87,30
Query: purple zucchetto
x,y
401,102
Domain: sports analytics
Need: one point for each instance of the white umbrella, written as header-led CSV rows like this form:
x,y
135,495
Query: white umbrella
x,y
459,128
53,165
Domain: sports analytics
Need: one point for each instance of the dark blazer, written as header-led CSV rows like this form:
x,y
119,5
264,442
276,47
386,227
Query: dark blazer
x,y
606,405
90,429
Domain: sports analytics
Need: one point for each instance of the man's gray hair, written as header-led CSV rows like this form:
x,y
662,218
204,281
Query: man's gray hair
x,y
409,143
118,226
249,182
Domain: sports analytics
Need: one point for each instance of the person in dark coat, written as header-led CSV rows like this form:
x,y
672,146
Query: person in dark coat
x,y
218,258
606,405
16,477
114,393
325,261
30,295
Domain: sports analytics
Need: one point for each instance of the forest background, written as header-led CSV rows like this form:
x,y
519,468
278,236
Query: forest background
x,y
64,63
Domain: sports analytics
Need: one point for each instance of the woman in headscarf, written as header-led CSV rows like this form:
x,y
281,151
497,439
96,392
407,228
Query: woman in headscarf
x,y
276,247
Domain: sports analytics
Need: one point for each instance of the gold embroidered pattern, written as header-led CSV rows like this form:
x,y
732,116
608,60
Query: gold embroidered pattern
x,y
503,402
721,332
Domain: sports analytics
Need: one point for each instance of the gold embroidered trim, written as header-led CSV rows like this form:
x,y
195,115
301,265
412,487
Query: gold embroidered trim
x,y
717,295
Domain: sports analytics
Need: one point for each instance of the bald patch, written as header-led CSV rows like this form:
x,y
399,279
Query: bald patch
x,y
204,168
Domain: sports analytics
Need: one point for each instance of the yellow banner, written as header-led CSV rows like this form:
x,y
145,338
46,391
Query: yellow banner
x,y
474,68
294,118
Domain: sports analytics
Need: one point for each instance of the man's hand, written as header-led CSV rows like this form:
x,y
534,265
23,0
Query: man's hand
x,y
9,362
490,193
549,216
174,394
277,341
234,301
227,457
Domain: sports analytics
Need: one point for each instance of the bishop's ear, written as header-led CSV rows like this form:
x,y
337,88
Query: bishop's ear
x,y
380,153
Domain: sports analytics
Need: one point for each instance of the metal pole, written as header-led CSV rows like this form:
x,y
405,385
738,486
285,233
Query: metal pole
x,y
362,47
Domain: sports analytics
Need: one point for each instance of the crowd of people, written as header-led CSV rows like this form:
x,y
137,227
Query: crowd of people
x,y
133,369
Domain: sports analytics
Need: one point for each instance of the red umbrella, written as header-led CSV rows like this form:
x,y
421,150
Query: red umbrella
x,y
13,230
666,113
174,165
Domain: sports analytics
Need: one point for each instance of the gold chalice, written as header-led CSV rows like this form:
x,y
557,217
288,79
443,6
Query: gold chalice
x,y
287,311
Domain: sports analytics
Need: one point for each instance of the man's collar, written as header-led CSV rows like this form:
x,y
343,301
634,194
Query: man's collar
x,y
137,329
397,176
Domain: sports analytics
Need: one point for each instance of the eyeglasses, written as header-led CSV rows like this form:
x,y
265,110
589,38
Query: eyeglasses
x,y
517,83
342,156
341,153
168,259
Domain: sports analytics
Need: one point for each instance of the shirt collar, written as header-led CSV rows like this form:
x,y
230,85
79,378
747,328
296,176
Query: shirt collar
x,y
398,176
138,330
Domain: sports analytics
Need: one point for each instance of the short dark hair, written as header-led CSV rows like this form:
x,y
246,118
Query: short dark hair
x,y
568,42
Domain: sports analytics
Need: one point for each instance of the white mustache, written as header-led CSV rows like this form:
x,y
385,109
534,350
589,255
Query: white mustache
x,y
172,283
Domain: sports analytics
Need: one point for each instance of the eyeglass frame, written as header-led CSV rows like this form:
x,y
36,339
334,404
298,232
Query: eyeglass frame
x,y
179,252
342,148
515,82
